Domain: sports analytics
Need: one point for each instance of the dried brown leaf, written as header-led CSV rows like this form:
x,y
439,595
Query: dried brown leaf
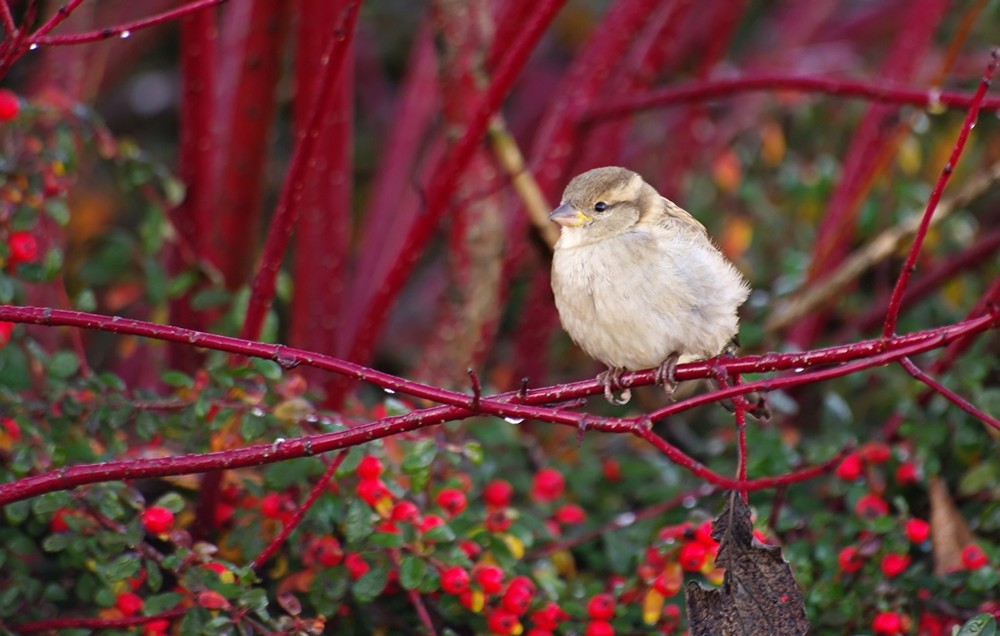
x,y
949,532
758,594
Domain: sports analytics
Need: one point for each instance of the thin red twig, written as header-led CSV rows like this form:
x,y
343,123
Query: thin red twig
x,y
95,623
120,29
61,14
727,88
300,513
892,314
7,18
953,397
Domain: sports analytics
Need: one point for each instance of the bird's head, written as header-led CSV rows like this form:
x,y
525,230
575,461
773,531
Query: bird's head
x,y
603,202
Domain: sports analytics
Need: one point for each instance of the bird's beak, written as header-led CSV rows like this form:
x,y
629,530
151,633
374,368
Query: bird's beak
x,y
568,216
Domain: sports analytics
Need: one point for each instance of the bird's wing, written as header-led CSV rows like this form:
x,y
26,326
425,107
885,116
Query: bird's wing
x,y
672,214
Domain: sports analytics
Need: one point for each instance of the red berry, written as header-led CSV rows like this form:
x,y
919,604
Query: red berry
x,y
158,627
470,548
599,628
601,607
6,328
850,469
272,505
888,623
11,427
849,560
917,530
907,473
547,485
570,514
973,557
326,551
703,535
372,491
875,452
356,565
669,582
9,105
871,506
404,511
503,623
428,522
157,520
452,501
58,522
370,467
210,599
692,556
490,578
498,493
611,469
894,564
538,631
455,580
549,617
129,603
497,521
23,247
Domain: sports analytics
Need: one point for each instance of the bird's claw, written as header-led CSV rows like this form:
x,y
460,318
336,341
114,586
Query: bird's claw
x,y
611,380
665,375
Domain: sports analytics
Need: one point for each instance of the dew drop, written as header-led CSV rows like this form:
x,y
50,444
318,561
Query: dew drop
x,y
125,34
513,420
689,502
33,47
799,369
625,519
257,412
389,391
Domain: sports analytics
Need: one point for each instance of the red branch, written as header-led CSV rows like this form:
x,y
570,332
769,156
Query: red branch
x,y
287,211
120,29
515,404
953,397
95,623
726,88
300,513
442,186
918,240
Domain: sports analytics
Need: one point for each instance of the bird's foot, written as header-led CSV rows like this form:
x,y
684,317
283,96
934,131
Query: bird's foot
x,y
665,375
611,380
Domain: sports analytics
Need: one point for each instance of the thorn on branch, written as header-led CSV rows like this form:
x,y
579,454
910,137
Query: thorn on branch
x,y
477,389
581,428
522,393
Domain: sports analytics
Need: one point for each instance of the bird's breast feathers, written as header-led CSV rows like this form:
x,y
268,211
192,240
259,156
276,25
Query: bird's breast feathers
x,y
633,299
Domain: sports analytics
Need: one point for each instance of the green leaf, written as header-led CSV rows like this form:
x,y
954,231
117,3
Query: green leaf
x,y
48,503
125,566
57,542
63,364
368,587
358,523
386,540
420,456
154,575
177,379
270,369
979,625
411,571
440,534
172,501
160,603
17,512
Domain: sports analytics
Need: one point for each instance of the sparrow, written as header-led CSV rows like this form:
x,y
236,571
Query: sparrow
x,y
637,281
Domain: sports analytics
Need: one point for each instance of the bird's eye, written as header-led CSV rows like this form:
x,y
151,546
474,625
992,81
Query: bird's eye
x,y
600,206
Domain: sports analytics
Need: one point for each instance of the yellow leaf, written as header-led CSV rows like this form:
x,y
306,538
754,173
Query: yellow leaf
x,y
772,143
909,156
652,606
